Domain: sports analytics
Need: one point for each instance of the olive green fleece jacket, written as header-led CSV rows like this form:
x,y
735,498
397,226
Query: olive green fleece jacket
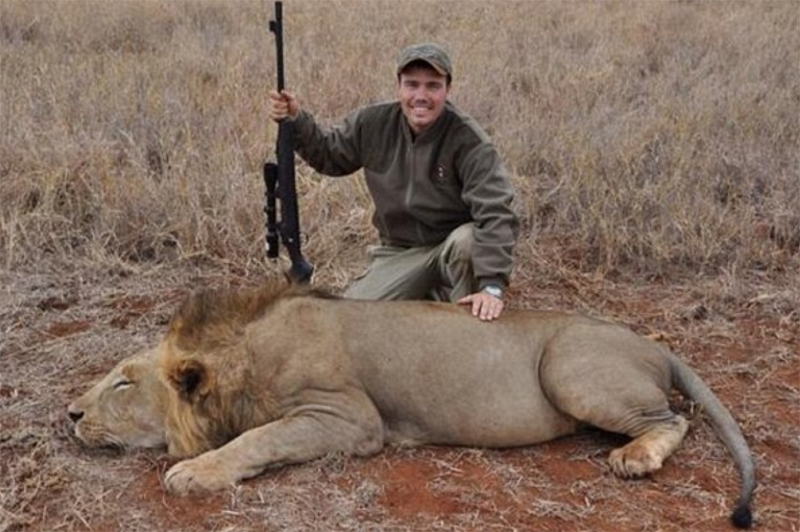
x,y
424,187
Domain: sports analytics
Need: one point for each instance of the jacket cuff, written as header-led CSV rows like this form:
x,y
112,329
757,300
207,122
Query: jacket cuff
x,y
483,282
303,122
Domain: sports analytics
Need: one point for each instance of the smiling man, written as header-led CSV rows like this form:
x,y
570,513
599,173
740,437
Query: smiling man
x,y
442,194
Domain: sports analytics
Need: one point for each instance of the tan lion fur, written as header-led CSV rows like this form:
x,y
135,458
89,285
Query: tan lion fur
x,y
279,375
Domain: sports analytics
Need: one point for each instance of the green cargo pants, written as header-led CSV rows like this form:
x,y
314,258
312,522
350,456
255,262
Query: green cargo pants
x,y
442,272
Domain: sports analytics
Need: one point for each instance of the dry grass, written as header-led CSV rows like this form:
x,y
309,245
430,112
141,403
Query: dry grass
x,y
654,146
654,137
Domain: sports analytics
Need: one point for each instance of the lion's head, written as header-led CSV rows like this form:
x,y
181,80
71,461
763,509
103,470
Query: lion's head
x,y
126,408
194,391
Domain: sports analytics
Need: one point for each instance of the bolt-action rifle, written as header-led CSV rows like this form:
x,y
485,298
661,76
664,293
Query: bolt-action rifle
x,y
280,181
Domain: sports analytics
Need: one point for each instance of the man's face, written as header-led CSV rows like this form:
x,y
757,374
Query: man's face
x,y
423,93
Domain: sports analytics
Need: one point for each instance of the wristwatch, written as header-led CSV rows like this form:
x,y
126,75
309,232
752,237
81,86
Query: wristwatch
x,y
494,290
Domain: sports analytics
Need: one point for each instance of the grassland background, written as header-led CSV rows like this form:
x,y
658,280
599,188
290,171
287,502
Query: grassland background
x,y
653,138
655,150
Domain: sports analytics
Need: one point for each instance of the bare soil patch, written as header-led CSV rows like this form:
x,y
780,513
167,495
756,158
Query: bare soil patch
x,y
60,332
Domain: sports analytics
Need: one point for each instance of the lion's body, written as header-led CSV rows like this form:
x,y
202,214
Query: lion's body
x,y
267,377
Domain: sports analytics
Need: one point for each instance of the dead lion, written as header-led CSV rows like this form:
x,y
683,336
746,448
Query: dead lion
x,y
278,375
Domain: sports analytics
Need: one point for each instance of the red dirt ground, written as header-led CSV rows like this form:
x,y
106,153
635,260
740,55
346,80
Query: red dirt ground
x,y
748,353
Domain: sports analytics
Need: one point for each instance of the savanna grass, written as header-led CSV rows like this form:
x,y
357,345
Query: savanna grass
x,y
655,138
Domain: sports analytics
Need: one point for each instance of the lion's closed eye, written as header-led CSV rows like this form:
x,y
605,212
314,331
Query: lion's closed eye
x,y
123,384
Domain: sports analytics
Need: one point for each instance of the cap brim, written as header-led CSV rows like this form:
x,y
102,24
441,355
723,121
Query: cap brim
x,y
442,71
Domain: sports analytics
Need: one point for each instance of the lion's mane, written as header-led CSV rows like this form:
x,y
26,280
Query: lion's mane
x,y
205,358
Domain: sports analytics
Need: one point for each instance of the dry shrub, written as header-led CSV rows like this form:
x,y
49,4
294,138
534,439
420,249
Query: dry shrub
x,y
646,138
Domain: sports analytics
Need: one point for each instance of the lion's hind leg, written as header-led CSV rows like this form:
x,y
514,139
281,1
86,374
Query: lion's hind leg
x,y
647,452
638,409
610,378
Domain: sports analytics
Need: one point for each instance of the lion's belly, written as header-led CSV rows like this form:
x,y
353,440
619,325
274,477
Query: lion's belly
x,y
453,426
498,405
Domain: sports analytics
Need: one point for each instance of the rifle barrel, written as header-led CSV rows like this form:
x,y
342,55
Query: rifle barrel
x,y
276,27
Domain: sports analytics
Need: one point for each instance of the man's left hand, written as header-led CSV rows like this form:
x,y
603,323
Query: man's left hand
x,y
485,306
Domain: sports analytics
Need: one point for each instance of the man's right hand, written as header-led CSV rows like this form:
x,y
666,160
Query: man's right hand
x,y
282,105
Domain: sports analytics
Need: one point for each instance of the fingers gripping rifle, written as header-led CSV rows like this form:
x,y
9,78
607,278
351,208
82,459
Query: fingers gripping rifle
x,y
280,182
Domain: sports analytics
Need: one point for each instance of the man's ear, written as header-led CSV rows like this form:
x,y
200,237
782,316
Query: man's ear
x,y
190,378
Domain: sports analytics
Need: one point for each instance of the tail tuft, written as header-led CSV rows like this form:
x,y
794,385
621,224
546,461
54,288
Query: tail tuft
x,y
741,517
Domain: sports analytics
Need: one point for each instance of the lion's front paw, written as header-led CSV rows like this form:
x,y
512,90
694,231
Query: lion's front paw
x,y
197,475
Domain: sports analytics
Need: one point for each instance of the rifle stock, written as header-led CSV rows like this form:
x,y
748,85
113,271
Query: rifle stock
x,y
279,179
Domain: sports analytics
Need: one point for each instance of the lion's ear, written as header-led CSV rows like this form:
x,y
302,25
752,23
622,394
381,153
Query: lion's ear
x,y
189,378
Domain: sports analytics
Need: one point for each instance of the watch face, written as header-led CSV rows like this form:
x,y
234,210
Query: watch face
x,y
494,291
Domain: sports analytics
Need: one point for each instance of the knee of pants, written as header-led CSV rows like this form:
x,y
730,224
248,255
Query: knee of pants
x,y
458,246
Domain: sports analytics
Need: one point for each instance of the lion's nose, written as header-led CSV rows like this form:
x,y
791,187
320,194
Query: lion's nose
x,y
75,415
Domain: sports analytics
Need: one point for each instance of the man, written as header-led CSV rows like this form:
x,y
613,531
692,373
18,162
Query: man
x,y
442,195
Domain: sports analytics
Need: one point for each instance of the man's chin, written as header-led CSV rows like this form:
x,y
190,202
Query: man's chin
x,y
418,125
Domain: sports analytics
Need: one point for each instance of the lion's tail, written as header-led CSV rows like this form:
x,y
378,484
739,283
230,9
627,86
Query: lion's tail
x,y
690,384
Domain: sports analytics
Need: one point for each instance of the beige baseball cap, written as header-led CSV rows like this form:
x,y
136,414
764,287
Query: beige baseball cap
x,y
431,53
